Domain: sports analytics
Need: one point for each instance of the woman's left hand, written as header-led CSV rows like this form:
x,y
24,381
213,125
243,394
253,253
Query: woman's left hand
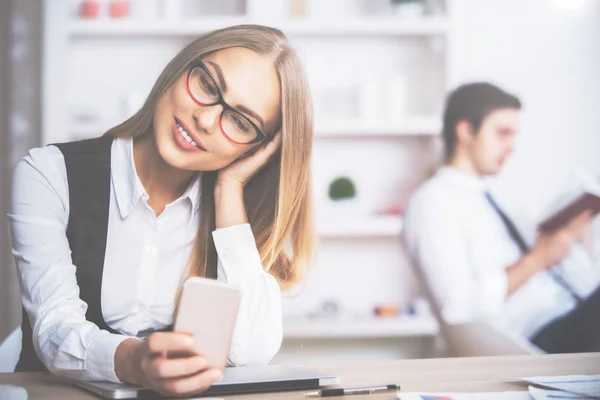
x,y
242,170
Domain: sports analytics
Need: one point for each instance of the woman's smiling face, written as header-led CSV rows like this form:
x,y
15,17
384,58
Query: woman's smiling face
x,y
193,136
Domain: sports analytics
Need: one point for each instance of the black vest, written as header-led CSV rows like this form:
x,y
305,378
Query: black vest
x,y
88,173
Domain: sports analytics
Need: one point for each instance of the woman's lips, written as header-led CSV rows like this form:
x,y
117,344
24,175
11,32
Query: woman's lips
x,y
185,138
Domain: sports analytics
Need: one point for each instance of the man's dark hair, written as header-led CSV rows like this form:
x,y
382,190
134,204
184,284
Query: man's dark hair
x,y
472,102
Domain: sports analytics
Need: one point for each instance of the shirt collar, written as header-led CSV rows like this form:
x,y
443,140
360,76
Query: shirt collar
x,y
192,193
128,187
462,178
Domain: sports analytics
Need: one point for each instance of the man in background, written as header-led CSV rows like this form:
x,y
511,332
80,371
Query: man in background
x,y
475,261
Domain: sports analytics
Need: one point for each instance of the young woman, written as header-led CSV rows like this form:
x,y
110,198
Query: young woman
x,y
210,178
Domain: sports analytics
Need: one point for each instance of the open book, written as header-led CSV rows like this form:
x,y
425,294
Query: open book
x,y
585,196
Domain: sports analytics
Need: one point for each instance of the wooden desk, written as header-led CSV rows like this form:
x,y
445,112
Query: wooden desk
x,y
449,374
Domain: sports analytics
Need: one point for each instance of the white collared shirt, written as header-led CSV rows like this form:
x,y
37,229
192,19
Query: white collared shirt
x,y
145,258
463,249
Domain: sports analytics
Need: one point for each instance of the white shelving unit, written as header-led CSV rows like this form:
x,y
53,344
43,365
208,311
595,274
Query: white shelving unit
x,y
390,327
91,66
412,126
82,130
376,26
376,226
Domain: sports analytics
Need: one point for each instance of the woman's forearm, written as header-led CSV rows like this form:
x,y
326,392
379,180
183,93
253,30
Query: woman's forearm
x,y
258,332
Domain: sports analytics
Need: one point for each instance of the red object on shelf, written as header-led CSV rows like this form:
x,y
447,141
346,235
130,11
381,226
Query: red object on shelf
x,y
386,310
393,210
118,8
89,9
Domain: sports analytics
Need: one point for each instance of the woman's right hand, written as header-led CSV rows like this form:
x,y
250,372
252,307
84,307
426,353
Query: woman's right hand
x,y
165,362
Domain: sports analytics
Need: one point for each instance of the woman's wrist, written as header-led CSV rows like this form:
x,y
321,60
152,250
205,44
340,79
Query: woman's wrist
x,y
228,186
127,361
229,204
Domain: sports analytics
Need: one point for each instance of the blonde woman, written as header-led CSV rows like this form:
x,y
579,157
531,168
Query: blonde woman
x,y
210,178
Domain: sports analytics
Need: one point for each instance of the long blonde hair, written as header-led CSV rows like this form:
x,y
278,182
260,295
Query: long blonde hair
x,y
278,198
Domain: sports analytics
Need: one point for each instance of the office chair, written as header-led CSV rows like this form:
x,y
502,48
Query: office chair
x,y
10,349
472,339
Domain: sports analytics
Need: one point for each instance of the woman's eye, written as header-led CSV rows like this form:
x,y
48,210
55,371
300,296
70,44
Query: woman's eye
x,y
240,124
208,86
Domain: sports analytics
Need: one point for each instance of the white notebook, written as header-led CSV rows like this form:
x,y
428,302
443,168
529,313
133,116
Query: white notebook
x,y
583,385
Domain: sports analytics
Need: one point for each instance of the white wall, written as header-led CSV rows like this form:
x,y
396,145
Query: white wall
x,y
550,57
100,76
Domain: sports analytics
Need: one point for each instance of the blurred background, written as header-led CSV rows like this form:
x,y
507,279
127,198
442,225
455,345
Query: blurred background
x,y
379,71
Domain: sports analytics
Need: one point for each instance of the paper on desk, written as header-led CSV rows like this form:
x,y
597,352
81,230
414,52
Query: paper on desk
x,y
533,394
12,392
585,385
465,396
543,394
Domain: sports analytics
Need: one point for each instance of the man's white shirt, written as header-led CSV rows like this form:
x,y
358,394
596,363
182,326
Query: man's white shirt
x,y
463,249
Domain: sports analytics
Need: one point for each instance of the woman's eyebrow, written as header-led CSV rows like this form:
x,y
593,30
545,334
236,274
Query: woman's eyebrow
x,y
223,85
251,113
220,76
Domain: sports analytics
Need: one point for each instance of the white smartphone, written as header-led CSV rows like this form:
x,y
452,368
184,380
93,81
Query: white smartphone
x,y
208,310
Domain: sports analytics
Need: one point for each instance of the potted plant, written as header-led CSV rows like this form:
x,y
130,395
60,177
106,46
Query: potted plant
x,y
342,189
408,8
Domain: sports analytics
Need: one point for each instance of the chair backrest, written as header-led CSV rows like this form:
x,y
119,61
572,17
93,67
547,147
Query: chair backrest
x,y
10,349
476,339
471,339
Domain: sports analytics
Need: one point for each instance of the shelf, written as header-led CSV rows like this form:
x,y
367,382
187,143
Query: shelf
x,y
376,226
411,126
197,26
82,131
406,326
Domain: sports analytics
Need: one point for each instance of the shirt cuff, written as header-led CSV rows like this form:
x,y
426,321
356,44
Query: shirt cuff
x,y
100,359
494,288
236,248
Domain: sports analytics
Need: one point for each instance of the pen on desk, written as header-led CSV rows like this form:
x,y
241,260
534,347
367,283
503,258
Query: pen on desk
x,y
347,391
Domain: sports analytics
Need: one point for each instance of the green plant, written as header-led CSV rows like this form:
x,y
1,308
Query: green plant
x,y
342,188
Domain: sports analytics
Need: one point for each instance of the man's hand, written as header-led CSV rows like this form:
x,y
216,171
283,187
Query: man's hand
x,y
552,248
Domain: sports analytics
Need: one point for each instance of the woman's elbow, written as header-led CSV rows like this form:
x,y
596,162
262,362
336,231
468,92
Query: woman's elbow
x,y
259,352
